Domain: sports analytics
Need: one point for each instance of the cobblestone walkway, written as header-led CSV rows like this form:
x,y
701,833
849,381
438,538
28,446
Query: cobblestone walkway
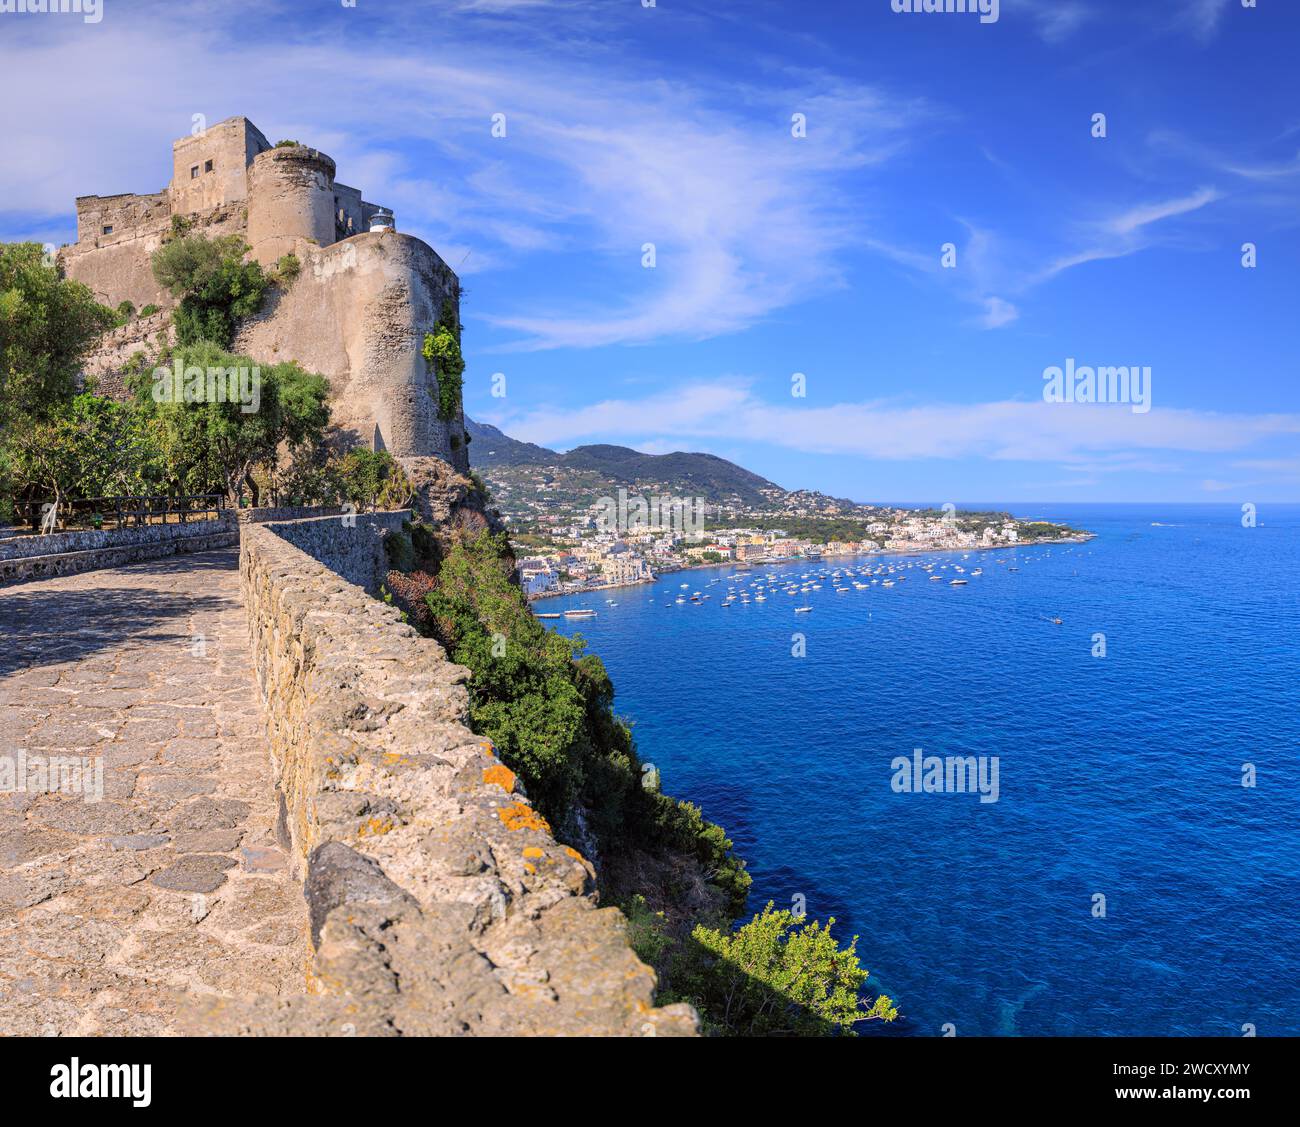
x,y
112,912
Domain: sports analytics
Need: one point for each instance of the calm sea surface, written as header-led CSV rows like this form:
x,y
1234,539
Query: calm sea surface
x,y
1120,776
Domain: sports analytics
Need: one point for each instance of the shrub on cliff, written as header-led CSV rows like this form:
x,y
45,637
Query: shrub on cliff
x,y
216,288
441,350
373,479
778,976
287,268
548,708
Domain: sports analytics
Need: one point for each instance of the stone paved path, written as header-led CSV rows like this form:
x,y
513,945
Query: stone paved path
x,y
112,912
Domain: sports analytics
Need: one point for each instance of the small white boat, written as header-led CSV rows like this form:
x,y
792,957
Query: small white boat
x,y
957,582
802,610
581,612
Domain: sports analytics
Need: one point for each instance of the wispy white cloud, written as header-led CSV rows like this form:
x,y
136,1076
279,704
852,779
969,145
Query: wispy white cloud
x,y
993,269
1203,17
1124,233
597,160
1094,437
1056,20
1146,214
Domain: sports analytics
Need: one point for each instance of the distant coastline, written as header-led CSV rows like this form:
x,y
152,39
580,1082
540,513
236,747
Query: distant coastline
x,y
1079,538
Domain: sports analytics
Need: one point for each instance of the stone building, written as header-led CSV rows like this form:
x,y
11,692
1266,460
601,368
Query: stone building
x,y
357,311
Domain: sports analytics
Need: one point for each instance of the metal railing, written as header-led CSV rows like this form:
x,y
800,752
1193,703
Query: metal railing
x,y
92,512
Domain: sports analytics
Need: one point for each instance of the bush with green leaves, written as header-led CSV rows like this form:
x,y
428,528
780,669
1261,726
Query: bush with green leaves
x,y
87,447
441,350
215,287
287,268
548,708
777,976
372,479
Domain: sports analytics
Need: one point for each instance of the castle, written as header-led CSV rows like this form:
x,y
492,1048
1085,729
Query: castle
x,y
357,312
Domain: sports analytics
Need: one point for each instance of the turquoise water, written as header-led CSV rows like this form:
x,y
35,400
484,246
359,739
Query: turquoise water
x,y
1119,776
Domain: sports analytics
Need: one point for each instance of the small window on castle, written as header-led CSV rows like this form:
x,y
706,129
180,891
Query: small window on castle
x,y
108,228
194,172
207,166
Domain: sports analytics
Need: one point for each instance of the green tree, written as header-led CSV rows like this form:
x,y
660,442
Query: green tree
x,y
89,447
47,324
776,976
216,288
215,445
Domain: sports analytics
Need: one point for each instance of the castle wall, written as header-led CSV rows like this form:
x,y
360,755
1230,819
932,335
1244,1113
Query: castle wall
x,y
107,364
121,270
106,220
291,200
349,212
228,148
357,313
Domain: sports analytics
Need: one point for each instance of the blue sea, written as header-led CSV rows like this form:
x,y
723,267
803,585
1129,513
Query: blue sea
x,y
1119,776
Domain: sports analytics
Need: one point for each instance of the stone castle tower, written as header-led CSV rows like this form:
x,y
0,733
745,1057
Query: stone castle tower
x,y
357,312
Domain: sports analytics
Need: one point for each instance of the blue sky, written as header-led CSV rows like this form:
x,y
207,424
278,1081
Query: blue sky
x,y
776,254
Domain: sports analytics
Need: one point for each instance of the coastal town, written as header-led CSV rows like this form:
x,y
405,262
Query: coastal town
x,y
609,516
596,553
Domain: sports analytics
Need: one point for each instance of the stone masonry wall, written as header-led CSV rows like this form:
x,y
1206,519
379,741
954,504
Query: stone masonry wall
x,y
357,313
439,901
24,558
352,547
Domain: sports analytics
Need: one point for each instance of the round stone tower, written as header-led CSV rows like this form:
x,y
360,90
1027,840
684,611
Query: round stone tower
x,y
290,198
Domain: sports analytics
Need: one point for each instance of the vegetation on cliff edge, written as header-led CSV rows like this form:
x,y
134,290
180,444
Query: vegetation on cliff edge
x,y
215,287
547,706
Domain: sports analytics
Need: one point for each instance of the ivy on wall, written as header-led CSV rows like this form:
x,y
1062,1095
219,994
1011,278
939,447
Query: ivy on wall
x,y
442,352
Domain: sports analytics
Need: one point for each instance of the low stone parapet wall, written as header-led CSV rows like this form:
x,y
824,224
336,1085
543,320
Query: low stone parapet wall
x,y
27,558
93,539
266,514
350,545
440,902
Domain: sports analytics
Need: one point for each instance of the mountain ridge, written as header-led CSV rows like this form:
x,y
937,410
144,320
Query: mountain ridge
x,y
708,475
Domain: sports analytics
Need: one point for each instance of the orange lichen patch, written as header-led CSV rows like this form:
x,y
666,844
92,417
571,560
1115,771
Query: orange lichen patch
x,y
521,817
575,854
488,748
530,868
501,775
533,851
391,757
375,827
